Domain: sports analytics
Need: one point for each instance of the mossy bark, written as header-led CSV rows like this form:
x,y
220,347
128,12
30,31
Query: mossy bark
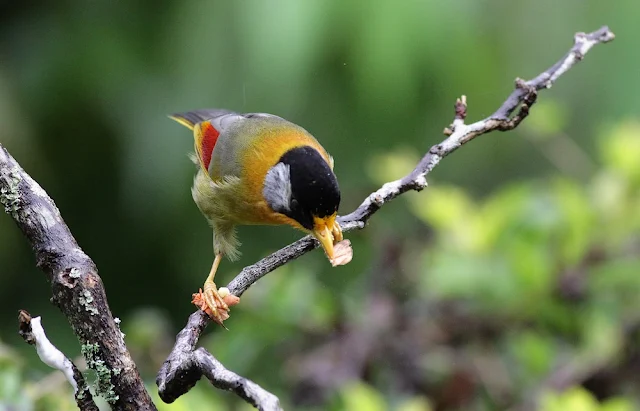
x,y
76,286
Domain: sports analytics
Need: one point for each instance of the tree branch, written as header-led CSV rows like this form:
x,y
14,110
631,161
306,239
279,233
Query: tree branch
x,y
76,286
31,330
186,365
170,378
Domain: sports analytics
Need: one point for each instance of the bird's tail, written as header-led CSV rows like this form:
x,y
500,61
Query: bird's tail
x,y
190,118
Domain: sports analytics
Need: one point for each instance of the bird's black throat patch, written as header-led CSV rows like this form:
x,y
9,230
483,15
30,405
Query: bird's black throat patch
x,y
314,187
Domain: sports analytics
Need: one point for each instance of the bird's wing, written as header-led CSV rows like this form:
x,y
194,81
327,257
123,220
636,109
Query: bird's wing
x,y
190,118
208,125
219,118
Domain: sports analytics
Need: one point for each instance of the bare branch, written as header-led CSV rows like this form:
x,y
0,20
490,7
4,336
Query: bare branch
x,y
524,96
76,286
186,365
458,133
32,332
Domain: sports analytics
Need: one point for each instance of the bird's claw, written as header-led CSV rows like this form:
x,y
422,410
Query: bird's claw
x,y
215,302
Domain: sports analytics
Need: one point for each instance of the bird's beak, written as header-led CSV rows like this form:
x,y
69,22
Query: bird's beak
x,y
322,230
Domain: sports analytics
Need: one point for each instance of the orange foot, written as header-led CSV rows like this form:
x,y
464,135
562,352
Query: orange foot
x,y
217,308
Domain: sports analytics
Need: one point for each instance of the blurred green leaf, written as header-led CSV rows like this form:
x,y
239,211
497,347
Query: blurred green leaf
x,y
449,210
574,231
610,198
531,265
602,335
534,351
360,396
616,285
620,148
548,118
392,165
501,213
578,399
618,404
575,399
414,404
486,279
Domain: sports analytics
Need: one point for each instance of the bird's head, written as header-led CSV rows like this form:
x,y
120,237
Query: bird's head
x,y
302,187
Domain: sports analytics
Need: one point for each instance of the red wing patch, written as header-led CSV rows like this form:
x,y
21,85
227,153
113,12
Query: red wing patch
x,y
205,142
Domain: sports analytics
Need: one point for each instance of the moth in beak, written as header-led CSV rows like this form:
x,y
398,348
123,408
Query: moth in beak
x,y
328,232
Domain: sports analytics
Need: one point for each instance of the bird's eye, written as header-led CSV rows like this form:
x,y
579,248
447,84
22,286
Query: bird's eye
x,y
294,203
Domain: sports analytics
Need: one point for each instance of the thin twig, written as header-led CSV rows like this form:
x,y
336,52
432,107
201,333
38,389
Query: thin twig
x,y
31,330
458,133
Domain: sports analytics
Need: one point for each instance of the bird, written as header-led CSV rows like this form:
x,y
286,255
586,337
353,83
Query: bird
x,y
258,169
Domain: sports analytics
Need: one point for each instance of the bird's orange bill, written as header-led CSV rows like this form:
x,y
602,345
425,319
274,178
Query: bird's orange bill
x,y
339,253
326,240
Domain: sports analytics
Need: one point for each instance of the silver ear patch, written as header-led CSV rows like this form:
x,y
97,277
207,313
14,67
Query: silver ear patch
x,y
277,188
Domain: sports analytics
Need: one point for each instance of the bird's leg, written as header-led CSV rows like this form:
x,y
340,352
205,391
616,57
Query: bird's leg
x,y
211,295
213,303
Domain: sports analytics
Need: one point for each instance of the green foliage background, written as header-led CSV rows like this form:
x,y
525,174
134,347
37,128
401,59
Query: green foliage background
x,y
519,260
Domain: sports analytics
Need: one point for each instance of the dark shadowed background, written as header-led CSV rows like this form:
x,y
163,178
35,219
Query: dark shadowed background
x,y
514,274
